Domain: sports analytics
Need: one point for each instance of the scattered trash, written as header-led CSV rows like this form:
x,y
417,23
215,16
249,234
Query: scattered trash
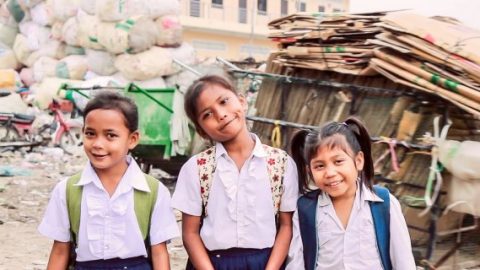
x,y
13,171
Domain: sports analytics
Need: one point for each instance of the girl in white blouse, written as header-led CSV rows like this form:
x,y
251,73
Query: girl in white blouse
x,y
236,229
347,223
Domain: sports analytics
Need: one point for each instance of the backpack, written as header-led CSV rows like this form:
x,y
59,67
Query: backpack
x,y
143,204
276,164
307,208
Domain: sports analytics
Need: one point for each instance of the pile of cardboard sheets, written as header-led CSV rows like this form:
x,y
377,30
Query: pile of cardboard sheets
x,y
435,55
327,42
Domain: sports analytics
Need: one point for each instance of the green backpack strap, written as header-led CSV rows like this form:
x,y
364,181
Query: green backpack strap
x,y
74,200
144,203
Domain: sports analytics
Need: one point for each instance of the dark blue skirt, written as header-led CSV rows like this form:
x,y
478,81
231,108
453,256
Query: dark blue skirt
x,y
137,263
238,259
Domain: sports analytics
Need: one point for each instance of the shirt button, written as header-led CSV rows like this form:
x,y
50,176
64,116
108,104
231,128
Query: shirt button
x,y
218,256
106,246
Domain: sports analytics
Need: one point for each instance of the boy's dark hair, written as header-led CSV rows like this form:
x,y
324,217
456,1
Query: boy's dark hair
x,y
194,91
350,134
109,100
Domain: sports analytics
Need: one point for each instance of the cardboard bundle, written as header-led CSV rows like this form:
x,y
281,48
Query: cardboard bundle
x,y
432,55
326,42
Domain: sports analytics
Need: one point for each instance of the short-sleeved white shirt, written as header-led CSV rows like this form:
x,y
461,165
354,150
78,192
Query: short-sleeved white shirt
x,y
108,225
240,206
353,248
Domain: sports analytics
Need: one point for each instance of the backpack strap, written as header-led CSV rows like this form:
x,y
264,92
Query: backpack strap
x,y
276,166
381,220
144,203
307,219
74,200
206,168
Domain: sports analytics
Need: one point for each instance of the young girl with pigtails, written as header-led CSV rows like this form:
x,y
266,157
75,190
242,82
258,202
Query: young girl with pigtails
x,y
347,223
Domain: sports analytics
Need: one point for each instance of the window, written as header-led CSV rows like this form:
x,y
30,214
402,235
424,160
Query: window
x,y
217,3
303,6
262,7
321,9
284,8
195,8
242,11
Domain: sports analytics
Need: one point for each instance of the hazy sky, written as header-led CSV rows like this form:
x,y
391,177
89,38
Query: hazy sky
x,y
467,11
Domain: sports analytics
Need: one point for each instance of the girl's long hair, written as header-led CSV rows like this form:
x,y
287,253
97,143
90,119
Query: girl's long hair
x,y
350,136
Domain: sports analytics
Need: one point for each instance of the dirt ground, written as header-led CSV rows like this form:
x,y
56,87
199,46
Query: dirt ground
x,y
26,180
23,198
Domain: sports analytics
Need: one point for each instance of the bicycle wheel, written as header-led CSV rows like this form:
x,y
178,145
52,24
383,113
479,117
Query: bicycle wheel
x,y
71,141
8,134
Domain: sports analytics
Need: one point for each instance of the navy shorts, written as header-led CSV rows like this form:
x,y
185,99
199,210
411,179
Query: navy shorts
x,y
136,263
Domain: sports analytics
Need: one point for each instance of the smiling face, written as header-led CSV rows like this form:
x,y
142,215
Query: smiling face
x,y
221,113
335,170
107,140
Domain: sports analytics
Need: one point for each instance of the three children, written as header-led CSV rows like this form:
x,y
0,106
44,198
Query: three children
x,y
237,198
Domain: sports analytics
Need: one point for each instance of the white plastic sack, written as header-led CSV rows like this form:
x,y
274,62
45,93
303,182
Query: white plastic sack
x,y
88,31
169,31
157,82
47,89
101,62
111,10
7,58
37,35
70,32
185,54
42,14
74,50
13,103
44,67
64,9
28,3
158,8
462,159
145,65
26,75
26,56
72,67
7,34
56,31
88,6
133,35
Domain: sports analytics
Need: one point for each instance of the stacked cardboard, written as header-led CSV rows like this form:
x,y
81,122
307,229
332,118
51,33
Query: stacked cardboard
x,y
326,42
432,55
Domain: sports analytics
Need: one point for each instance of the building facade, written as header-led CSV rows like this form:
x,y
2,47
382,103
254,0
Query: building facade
x,y
237,29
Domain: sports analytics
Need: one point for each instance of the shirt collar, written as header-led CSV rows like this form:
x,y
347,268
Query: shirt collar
x,y
365,195
133,176
258,149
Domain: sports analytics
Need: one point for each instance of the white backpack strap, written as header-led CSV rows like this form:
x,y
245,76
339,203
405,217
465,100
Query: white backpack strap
x,y
276,166
206,168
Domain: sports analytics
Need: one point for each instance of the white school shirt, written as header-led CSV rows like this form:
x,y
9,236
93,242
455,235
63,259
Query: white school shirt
x,y
108,225
240,206
356,247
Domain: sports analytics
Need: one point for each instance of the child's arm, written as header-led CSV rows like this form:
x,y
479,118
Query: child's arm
x,y
295,253
400,244
59,256
193,243
160,257
282,241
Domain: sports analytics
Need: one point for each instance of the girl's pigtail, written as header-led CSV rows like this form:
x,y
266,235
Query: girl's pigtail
x,y
297,150
364,140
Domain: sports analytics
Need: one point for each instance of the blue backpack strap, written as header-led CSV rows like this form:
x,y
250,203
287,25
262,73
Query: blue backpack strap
x,y
307,213
381,220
